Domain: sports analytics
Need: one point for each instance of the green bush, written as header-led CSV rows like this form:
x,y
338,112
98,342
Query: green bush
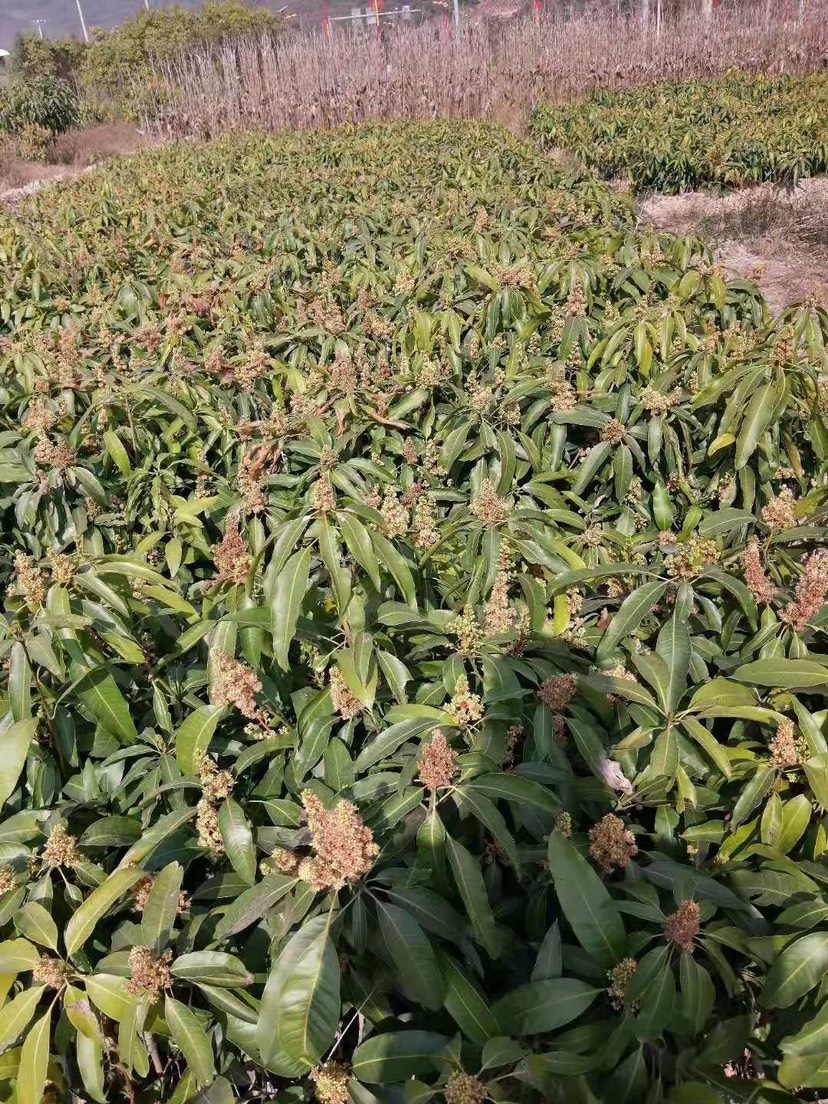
x,y
415,633
117,64
739,129
33,57
46,102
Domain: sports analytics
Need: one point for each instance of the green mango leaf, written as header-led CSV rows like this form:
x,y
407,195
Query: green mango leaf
x,y
238,840
472,889
34,921
412,955
161,907
790,674
191,1039
635,607
17,955
301,1003
800,966
211,968
82,923
100,695
288,594
544,1005
466,1005
34,1062
193,736
252,904
397,1055
16,1014
586,903
17,738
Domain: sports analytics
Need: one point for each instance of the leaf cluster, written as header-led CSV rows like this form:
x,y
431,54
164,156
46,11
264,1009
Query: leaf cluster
x,y
414,638
734,130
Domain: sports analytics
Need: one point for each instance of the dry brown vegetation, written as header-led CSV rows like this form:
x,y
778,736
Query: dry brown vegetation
x,y
69,155
775,236
491,70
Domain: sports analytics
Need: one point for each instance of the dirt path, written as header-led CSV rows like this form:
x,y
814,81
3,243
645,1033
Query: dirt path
x,y
777,237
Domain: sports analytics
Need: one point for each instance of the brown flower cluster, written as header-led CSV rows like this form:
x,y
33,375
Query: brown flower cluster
x,y
779,512
322,497
410,453
424,526
499,617
563,395
576,303
248,484
331,1083
467,631
50,971
285,861
810,591
438,763
613,432
29,581
756,579
207,827
694,556
465,708
346,704
7,879
62,849
784,750
682,926
558,691
216,785
39,418
514,736
519,276
611,844
487,506
48,454
654,402
62,567
232,555
344,846
149,973
235,684
394,514
563,824
620,977
463,1088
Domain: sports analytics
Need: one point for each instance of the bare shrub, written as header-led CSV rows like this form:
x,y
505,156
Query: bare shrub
x,y
489,70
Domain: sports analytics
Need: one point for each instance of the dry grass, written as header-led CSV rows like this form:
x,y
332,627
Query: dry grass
x,y
491,70
94,144
775,236
68,156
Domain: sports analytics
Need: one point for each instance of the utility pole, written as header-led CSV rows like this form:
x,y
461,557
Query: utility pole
x,y
39,24
83,22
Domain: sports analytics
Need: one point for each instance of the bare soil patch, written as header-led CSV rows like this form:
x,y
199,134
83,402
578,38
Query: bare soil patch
x,y
775,236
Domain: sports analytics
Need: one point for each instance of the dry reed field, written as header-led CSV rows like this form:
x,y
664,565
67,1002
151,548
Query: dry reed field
x,y
489,70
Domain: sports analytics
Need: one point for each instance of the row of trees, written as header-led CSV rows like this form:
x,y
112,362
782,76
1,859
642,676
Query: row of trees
x,y
106,70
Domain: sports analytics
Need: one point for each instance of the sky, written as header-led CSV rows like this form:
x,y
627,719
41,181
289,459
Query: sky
x,y
62,16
